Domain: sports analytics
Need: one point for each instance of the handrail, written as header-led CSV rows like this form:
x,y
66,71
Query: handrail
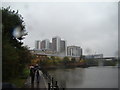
x,y
52,83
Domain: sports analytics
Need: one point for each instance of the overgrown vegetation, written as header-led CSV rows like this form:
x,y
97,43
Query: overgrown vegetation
x,y
67,61
57,61
110,62
15,56
92,62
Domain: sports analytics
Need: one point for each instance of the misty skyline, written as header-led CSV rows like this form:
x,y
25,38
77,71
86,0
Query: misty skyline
x,y
91,25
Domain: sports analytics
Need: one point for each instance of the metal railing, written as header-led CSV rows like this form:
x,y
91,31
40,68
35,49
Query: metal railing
x,y
53,85
52,82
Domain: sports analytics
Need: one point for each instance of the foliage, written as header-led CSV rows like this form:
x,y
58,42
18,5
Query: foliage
x,y
73,60
82,61
66,60
50,61
18,82
43,62
11,20
58,60
53,59
118,61
10,61
91,62
109,63
15,56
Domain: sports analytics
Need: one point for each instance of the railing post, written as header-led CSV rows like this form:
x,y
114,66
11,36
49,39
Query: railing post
x,y
49,77
56,86
52,83
49,87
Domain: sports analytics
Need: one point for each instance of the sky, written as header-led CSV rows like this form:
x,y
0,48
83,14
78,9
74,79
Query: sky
x,y
91,25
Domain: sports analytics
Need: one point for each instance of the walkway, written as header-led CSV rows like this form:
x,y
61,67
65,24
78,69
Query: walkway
x,y
42,84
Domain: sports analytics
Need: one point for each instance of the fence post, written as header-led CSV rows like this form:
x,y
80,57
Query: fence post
x,y
56,86
52,83
49,78
49,86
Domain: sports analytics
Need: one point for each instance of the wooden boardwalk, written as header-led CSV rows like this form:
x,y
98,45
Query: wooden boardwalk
x,y
42,82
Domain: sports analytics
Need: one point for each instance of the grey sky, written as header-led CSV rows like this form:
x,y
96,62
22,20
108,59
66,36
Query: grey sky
x,y
91,25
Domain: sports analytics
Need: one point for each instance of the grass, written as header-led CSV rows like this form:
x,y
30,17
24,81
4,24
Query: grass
x,y
19,81
26,72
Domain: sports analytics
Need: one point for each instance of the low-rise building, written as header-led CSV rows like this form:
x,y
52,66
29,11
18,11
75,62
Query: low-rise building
x,y
74,51
94,56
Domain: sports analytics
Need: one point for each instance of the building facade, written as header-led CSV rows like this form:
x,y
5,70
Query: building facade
x,y
45,44
56,44
42,44
93,56
37,44
74,51
63,47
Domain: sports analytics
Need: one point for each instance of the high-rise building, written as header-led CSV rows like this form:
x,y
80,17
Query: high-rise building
x,y
37,44
42,44
74,51
50,46
63,47
56,44
45,44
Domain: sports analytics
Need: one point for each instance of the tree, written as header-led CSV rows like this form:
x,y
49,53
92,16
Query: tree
x,y
53,58
73,60
66,60
58,60
15,56
109,63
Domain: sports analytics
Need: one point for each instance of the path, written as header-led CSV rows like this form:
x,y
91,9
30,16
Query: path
x,y
42,84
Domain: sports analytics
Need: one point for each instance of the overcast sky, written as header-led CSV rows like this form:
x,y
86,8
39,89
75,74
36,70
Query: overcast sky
x,y
91,25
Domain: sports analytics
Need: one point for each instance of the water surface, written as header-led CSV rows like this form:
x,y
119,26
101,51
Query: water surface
x,y
92,77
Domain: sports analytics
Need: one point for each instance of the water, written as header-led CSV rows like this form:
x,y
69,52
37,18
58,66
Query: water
x,y
92,77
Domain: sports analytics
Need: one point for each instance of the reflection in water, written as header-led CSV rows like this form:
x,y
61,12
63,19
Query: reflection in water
x,y
92,77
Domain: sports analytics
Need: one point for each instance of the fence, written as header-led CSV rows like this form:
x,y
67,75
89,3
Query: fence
x,y
52,83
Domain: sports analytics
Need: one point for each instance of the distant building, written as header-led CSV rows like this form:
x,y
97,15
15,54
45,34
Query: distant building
x,y
74,51
98,55
37,44
57,47
50,46
42,44
63,47
45,44
94,56
56,44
